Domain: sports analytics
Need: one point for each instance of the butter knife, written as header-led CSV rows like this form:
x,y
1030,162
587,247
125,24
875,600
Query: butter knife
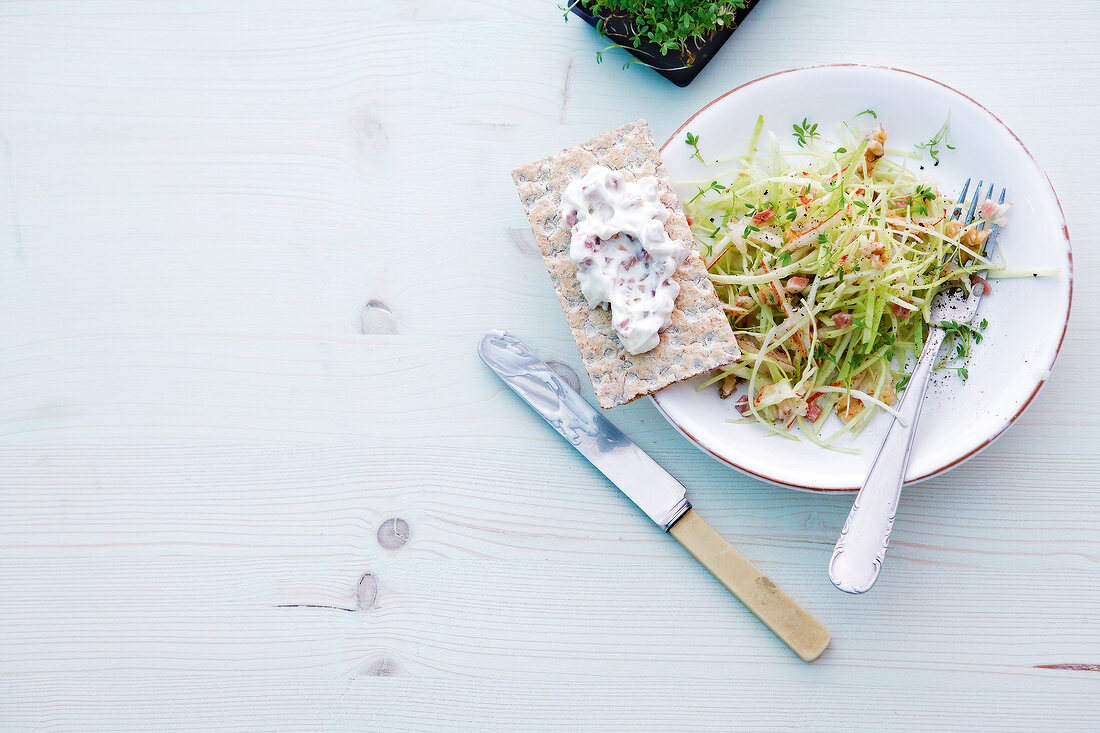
x,y
651,488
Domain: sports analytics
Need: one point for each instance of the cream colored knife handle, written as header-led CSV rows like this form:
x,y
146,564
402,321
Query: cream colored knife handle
x,y
795,627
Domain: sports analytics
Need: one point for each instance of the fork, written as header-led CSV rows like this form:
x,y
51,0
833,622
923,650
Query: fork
x,y
858,555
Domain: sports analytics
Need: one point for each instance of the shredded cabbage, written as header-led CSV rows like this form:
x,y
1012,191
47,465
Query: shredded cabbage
x,y
826,259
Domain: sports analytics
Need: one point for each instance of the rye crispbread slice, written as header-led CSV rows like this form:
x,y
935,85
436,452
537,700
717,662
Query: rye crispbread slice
x,y
699,339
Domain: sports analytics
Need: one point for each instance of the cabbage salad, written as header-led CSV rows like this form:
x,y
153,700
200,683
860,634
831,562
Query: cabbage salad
x,y
826,258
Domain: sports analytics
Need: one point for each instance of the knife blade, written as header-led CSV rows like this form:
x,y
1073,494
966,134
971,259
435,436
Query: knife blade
x,y
651,488
618,458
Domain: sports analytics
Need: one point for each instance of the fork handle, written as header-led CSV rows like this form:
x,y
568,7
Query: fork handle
x,y
858,555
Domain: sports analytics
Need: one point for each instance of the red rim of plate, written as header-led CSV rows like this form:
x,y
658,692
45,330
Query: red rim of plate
x,y
1069,304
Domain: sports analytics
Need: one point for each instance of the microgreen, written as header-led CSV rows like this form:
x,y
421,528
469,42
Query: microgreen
x,y
784,259
960,338
857,356
714,186
693,141
920,199
822,354
805,133
963,330
933,143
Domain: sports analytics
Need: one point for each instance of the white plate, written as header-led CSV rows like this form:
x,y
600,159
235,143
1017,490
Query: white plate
x,y
1027,317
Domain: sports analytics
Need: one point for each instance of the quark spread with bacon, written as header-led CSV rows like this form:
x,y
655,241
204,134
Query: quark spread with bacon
x,y
624,257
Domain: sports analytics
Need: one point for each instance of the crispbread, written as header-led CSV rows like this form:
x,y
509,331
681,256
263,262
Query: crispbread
x,y
699,338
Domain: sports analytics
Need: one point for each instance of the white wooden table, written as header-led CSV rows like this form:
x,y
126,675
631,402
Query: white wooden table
x,y
253,476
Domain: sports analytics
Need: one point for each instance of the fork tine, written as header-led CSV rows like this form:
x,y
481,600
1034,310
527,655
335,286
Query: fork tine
x,y
966,187
996,227
977,196
990,243
962,198
974,203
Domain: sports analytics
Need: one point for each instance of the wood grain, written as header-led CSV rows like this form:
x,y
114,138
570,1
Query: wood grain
x,y
246,252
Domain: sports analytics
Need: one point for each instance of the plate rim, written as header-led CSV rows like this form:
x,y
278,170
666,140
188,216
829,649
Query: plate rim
x,y
1069,281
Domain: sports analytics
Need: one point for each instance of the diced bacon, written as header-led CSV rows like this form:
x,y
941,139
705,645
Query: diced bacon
x,y
761,217
842,320
813,411
976,279
994,213
797,284
742,404
901,311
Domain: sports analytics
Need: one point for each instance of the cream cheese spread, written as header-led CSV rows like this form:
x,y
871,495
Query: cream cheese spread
x,y
624,257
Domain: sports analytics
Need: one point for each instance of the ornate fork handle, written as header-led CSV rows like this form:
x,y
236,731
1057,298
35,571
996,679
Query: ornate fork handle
x,y
859,552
